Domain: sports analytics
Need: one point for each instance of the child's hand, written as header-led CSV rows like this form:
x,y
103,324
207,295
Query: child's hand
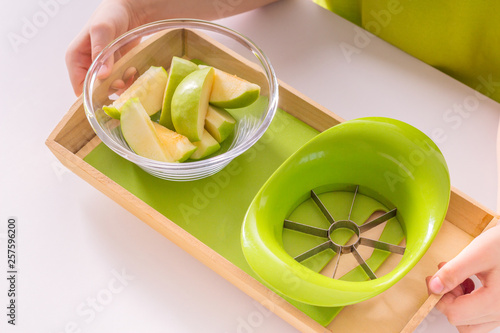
x,y
111,19
115,17
468,309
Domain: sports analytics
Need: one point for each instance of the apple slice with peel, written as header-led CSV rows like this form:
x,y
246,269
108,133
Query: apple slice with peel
x,y
139,132
219,123
206,146
230,91
190,103
148,88
179,69
177,145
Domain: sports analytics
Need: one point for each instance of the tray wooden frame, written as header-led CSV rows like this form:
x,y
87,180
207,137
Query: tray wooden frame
x,y
73,138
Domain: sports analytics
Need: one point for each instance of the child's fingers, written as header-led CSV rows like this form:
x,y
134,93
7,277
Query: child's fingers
x,y
472,309
481,328
101,34
466,264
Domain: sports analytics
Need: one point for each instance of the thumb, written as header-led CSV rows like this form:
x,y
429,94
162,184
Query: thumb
x,y
467,263
101,34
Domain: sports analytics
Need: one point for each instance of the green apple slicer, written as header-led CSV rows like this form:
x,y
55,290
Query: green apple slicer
x,y
349,214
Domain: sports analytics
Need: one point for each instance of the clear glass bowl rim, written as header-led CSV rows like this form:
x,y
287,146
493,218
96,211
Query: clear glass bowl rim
x,y
150,28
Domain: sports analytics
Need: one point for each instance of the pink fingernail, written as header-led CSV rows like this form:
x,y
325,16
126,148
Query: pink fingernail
x,y
436,285
102,71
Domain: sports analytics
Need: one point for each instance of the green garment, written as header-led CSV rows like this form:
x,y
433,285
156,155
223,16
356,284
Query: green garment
x,y
459,37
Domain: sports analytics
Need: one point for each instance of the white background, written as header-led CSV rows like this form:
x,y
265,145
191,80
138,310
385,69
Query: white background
x,y
73,240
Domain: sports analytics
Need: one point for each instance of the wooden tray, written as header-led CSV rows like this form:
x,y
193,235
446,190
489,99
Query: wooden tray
x,y
399,309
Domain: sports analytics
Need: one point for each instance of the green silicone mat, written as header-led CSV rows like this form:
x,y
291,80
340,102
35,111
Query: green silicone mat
x,y
213,209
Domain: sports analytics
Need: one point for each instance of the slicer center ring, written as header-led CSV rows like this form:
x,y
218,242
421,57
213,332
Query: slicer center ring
x,y
344,224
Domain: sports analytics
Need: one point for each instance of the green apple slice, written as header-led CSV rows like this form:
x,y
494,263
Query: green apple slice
x,y
139,132
179,69
230,91
177,145
219,123
190,103
199,62
148,88
206,146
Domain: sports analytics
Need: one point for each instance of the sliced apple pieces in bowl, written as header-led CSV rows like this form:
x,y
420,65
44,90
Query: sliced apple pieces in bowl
x,y
230,91
219,123
179,69
139,132
192,122
177,145
190,103
199,130
148,88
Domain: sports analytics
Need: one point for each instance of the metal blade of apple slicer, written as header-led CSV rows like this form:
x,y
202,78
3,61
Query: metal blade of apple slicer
x,y
349,224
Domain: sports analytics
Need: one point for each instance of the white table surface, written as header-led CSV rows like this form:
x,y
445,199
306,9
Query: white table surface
x,y
73,240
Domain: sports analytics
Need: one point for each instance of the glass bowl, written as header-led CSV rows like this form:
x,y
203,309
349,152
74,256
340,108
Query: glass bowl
x,y
155,44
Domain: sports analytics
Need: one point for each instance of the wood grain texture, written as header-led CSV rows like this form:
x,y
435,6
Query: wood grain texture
x,y
74,131
428,305
94,142
468,214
